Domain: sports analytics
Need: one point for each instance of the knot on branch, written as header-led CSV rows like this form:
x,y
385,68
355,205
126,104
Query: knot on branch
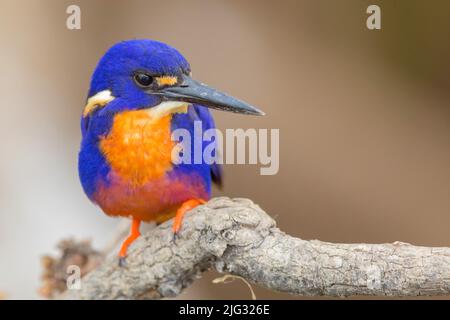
x,y
55,269
225,222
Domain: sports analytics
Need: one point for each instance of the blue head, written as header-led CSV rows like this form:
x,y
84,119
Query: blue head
x,y
120,67
143,74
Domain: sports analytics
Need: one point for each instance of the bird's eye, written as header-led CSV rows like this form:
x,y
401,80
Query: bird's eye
x,y
143,79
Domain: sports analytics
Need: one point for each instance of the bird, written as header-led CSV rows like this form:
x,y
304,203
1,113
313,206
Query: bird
x,y
140,92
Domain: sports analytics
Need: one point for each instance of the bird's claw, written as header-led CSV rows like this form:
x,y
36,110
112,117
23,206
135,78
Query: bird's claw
x,y
175,235
122,262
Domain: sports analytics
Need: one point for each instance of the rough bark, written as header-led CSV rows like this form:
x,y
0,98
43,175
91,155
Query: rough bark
x,y
236,236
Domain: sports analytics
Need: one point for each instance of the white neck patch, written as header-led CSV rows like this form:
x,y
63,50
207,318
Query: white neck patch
x,y
167,107
100,99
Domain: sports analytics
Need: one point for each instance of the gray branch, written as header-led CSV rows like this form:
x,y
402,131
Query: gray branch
x,y
239,238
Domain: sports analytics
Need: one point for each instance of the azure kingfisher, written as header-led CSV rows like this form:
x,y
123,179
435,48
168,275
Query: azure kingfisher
x,y
141,91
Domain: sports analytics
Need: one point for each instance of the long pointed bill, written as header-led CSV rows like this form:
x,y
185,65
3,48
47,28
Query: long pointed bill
x,y
193,91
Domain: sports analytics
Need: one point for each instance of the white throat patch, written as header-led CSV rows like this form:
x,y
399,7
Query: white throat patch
x,y
100,99
167,107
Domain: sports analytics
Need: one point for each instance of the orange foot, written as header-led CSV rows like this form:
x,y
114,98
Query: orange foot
x,y
185,207
134,234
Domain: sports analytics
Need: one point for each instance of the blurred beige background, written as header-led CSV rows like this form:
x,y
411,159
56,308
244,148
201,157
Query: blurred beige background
x,y
364,117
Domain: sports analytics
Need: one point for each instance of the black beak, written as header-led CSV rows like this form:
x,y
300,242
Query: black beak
x,y
193,91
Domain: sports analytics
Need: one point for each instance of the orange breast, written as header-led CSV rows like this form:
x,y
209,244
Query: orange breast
x,y
138,148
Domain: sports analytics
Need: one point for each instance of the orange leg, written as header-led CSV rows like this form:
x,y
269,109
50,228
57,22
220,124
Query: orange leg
x,y
134,234
185,207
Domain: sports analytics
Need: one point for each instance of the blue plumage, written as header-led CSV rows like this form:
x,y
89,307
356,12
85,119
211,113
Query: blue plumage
x,y
137,98
115,73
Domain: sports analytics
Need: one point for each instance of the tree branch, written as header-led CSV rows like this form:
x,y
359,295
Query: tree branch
x,y
237,237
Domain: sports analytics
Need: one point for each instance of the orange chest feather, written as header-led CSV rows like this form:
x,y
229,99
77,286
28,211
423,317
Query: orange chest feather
x,y
138,148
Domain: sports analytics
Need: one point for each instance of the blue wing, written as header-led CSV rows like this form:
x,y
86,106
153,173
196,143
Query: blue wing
x,y
208,123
